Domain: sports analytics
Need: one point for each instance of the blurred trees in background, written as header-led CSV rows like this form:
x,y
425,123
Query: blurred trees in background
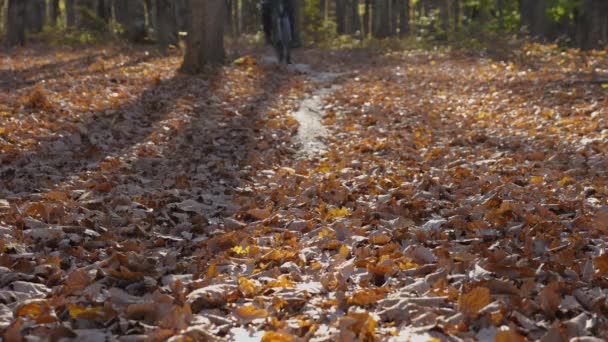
x,y
581,23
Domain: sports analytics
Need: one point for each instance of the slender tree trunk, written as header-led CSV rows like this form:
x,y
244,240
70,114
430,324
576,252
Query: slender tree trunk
x,y
131,15
394,16
205,43
404,17
35,15
456,14
166,29
103,10
70,13
366,18
341,16
354,21
297,8
53,12
501,15
381,19
16,21
181,13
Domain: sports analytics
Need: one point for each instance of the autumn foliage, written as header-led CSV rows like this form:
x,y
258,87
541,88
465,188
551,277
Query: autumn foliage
x,y
460,194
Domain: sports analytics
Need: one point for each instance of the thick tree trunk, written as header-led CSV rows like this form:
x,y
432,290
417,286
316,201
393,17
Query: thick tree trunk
x,y
35,15
205,44
16,21
70,13
404,17
54,12
166,28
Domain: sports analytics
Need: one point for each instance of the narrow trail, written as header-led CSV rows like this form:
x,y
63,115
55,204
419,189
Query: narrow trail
x,y
310,112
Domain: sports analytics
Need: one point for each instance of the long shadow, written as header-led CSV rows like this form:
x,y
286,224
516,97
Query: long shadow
x,y
125,132
18,79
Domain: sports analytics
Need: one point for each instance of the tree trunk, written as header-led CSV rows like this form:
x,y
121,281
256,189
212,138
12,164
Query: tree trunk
x,y
166,28
456,14
366,18
181,14
131,15
205,44
501,15
394,15
35,15
381,19
16,22
353,20
592,24
297,9
404,17
104,10
341,16
70,13
53,12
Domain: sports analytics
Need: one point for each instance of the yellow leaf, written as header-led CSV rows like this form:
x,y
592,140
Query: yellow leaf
x,y
537,180
344,251
240,250
281,282
249,313
474,301
364,298
247,287
273,336
78,311
337,212
212,271
566,181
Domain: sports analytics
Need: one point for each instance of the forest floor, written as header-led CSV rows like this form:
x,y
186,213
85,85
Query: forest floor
x,y
364,196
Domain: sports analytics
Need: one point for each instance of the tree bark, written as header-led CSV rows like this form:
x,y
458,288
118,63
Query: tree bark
x,y
501,15
53,12
131,15
16,21
341,16
205,44
394,16
104,10
70,13
381,19
166,23
354,20
456,14
366,18
404,17
35,15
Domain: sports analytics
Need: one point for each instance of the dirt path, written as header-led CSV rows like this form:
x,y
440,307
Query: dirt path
x,y
310,112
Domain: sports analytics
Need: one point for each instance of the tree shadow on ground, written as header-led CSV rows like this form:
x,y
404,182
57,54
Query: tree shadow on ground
x,y
151,143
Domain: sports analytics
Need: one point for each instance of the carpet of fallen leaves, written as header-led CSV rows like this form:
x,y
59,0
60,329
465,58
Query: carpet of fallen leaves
x,y
461,197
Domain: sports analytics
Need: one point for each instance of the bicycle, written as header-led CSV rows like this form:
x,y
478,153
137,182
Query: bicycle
x,y
281,32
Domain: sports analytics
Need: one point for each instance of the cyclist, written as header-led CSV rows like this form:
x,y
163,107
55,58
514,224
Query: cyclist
x,y
267,7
